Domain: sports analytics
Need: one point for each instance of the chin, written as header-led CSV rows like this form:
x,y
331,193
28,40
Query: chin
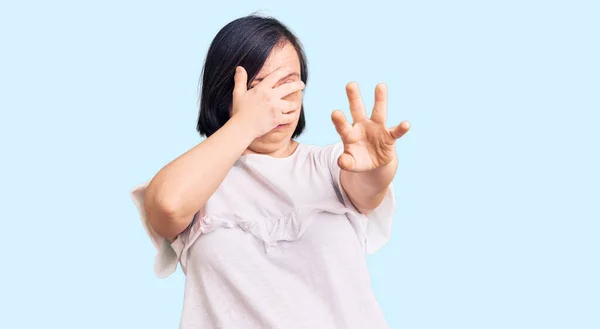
x,y
273,140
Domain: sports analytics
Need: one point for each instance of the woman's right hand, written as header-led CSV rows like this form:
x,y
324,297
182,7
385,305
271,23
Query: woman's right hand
x,y
262,107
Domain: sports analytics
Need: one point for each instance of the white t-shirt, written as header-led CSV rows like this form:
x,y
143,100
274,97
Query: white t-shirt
x,y
278,246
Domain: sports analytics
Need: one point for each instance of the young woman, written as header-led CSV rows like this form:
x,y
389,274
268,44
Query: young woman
x,y
272,233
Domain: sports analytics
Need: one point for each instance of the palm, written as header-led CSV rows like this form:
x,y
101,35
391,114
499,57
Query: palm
x,y
368,143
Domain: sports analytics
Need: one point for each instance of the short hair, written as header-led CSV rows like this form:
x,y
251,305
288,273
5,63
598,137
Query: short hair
x,y
246,42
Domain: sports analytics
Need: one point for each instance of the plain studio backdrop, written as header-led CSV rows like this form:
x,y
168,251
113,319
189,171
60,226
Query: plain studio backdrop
x,y
498,186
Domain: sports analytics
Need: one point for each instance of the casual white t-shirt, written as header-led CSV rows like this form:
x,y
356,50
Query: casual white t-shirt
x,y
278,246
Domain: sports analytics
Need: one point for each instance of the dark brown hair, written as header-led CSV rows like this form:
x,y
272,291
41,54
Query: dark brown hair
x,y
247,42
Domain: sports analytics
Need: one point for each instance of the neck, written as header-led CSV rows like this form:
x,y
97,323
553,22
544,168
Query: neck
x,y
283,150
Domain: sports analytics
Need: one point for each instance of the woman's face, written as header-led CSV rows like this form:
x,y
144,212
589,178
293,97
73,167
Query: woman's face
x,y
287,57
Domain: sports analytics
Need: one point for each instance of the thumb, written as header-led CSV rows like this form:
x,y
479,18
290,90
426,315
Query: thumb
x,y
342,126
240,81
346,162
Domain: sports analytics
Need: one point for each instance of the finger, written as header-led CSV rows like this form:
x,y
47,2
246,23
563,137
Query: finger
x,y
357,108
272,78
400,129
380,108
240,80
288,88
286,118
346,162
342,126
286,106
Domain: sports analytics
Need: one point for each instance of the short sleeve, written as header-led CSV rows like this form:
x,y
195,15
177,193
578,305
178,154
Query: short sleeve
x,y
377,228
168,253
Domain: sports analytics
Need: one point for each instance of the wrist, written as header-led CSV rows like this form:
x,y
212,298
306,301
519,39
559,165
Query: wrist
x,y
241,128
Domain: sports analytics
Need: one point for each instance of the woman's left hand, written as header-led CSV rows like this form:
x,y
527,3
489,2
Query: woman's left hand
x,y
368,143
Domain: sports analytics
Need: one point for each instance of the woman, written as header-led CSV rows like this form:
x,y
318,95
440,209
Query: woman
x,y
271,233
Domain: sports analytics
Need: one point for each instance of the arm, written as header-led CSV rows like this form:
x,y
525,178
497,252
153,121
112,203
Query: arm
x,y
184,185
367,189
369,161
181,188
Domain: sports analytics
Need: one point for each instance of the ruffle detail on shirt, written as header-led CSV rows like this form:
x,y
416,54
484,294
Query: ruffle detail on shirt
x,y
288,227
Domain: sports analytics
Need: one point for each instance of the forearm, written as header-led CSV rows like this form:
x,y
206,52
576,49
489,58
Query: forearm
x,y
183,186
367,189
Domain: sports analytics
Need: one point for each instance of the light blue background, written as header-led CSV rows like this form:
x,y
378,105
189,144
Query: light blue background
x,y
498,185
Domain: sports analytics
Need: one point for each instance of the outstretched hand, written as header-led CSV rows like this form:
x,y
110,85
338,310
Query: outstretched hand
x,y
368,143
